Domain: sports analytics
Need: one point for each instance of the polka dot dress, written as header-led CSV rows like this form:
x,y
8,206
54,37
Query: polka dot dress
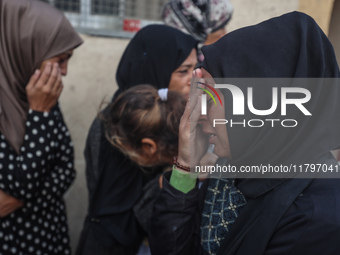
x,y
39,176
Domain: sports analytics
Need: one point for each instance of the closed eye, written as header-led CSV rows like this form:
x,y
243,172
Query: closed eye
x,y
183,71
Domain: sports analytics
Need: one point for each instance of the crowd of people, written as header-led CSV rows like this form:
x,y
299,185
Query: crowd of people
x,y
142,148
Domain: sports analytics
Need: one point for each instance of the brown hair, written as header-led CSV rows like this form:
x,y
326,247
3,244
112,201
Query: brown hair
x,y
139,113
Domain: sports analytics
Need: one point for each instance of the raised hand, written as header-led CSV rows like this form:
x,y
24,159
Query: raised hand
x,y
190,138
44,88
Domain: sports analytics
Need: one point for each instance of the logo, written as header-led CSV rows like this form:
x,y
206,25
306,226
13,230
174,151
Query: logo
x,y
239,100
204,97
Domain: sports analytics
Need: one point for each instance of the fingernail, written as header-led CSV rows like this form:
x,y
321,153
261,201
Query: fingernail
x,y
56,64
48,64
37,71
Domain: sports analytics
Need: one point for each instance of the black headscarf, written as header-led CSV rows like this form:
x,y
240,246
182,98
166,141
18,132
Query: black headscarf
x,y
150,58
289,46
152,55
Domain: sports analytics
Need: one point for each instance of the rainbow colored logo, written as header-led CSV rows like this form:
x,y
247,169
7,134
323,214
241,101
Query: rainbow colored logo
x,y
212,89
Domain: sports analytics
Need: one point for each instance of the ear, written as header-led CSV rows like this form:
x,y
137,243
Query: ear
x,y
149,146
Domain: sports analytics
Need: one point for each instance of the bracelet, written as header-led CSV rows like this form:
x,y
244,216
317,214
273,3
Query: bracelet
x,y
178,165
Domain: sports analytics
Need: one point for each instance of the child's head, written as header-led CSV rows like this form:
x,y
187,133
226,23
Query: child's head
x,y
144,126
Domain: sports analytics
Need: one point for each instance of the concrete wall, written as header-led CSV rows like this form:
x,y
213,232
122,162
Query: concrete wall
x,y
250,12
91,79
334,29
320,10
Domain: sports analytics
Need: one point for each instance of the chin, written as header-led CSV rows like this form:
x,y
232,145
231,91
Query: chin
x,y
221,153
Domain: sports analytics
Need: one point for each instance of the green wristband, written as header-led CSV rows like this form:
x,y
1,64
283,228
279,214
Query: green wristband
x,y
182,181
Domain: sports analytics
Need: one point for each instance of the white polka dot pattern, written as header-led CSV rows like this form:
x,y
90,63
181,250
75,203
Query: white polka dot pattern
x,y
39,176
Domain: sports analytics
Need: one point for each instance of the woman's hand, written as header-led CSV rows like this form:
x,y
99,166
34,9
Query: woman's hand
x,y
192,142
8,204
44,88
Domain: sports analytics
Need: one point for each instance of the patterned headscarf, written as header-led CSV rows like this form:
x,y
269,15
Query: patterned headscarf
x,y
197,17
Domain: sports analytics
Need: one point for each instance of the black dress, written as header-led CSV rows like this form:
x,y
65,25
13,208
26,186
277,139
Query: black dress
x,y
38,176
115,183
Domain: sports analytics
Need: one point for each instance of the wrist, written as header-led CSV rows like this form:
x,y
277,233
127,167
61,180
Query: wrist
x,y
181,166
182,181
39,109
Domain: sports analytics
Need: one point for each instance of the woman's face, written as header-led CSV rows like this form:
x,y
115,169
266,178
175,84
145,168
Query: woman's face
x,y
61,59
218,135
180,78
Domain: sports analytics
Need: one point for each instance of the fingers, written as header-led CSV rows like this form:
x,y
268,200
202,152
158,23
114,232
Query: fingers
x,y
193,106
54,79
189,108
198,73
195,82
50,77
196,96
33,80
45,75
195,113
190,117
45,88
186,115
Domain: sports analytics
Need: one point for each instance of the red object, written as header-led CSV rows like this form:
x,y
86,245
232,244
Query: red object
x,y
131,25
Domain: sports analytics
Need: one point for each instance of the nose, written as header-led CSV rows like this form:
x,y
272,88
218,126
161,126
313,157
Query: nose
x,y
189,81
203,121
207,128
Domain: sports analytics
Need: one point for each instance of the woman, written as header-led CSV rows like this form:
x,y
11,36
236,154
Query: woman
x,y
250,214
164,58
36,153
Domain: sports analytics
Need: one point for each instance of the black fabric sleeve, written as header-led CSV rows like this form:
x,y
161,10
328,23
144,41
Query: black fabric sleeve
x,y
175,222
91,155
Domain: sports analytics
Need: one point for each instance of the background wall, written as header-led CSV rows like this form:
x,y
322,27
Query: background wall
x,y
91,79
334,29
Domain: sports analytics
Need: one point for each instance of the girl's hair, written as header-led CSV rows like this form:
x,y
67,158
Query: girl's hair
x,y
139,113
